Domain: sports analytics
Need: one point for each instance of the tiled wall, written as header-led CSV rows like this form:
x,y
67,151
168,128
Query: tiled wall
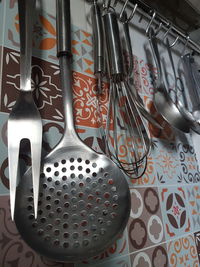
x,y
164,225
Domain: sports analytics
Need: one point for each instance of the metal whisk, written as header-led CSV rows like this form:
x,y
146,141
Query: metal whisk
x,y
127,137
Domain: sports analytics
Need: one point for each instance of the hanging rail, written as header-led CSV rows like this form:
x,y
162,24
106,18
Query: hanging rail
x,y
146,11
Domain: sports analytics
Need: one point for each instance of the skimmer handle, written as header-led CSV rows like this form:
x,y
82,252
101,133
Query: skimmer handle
x,y
26,10
63,26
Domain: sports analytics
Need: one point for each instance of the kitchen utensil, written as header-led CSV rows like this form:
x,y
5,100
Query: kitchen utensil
x,y
84,200
24,120
193,124
98,44
193,82
162,101
134,93
127,139
191,73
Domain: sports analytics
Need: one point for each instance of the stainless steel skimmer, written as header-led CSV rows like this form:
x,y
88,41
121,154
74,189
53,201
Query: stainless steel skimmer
x,y
84,200
24,121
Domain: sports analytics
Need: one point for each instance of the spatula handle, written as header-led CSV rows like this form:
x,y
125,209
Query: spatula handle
x,y
63,27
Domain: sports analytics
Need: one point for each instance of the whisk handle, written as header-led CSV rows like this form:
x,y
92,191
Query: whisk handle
x,y
113,43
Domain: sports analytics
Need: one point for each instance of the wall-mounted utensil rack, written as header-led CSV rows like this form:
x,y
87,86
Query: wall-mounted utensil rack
x,y
146,12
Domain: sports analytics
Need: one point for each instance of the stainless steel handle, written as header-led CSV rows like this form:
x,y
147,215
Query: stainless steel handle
x,y
156,55
190,72
98,41
113,43
128,43
26,15
63,27
172,62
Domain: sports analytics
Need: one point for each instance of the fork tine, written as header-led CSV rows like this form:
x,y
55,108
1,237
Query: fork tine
x,y
13,161
36,157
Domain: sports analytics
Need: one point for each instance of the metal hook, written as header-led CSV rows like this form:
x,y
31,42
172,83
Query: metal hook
x,y
150,22
175,42
106,4
121,16
185,45
168,30
158,29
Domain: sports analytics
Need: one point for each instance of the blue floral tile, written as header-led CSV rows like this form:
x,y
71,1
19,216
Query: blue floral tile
x,y
166,161
175,213
189,166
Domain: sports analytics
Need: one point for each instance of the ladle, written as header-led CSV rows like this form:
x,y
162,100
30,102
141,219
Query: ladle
x,y
162,101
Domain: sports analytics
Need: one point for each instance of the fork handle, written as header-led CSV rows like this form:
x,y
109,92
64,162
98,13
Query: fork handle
x,y
26,14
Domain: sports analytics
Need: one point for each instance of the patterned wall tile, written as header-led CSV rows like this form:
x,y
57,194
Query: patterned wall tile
x,y
182,252
175,212
14,251
145,227
166,161
193,194
189,166
46,81
152,257
44,39
148,178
